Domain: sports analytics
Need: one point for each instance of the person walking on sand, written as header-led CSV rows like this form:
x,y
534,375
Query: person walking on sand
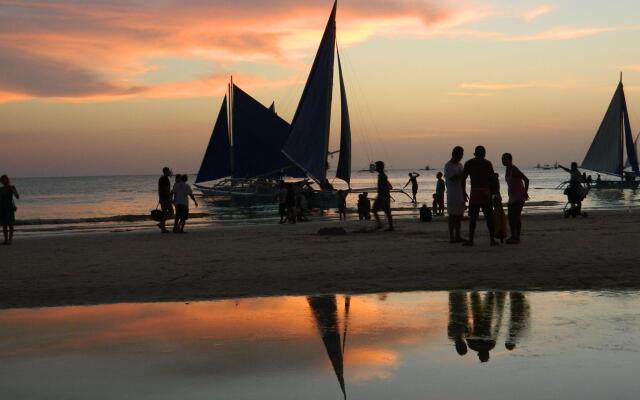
x,y
518,187
413,180
342,205
480,170
456,194
383,201
575,192
7,208
181,193
164,198
282,201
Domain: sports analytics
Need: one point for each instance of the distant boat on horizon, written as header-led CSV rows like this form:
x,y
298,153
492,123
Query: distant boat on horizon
x,y
607,152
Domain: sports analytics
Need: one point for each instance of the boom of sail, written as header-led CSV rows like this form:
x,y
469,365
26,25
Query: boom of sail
x,y
250,146
607,152
308,143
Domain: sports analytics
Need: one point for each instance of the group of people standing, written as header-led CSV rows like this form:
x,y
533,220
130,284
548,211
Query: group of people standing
x,y
177,195
485,193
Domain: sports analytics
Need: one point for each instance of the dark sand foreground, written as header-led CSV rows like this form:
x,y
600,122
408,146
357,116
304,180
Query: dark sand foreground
x,y
600,252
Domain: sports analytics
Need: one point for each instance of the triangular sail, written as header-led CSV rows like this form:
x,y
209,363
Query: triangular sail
x,y
216,163
632,154
258,136
308,143
325,313
635,148
605,153
344,163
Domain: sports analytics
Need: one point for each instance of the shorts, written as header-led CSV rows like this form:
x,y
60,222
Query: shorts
x,y
382,204
480,196
167,208
7,216
182,211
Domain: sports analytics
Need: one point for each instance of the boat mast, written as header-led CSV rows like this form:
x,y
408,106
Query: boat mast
x,y
230,125
623,110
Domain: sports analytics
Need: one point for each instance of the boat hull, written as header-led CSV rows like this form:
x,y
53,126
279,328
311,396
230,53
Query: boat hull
x,y
616,185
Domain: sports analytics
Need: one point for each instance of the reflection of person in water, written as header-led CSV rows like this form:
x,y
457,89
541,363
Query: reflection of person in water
x,y
518,320
482,337
458,320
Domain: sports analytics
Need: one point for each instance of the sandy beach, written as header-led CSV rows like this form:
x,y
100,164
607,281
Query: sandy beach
x,y
600,252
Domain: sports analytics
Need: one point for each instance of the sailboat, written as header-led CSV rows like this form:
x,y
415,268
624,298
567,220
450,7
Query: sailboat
x,y
255,133
243,154
607,152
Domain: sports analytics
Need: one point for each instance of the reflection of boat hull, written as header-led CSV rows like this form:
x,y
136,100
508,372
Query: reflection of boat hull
x,y
616,185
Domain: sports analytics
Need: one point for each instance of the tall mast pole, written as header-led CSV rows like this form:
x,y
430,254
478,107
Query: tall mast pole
x,y
231,125
621,136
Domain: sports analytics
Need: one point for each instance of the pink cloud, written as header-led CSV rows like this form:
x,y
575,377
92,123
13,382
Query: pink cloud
x,y
537,12
104,47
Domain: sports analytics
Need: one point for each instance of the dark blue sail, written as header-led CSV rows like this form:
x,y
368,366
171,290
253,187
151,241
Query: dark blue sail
x,y
632,155
605,153
258,137
344,163
216,163
308,143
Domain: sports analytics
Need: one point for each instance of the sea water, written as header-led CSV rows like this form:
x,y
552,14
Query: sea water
x,y
560,345
61,205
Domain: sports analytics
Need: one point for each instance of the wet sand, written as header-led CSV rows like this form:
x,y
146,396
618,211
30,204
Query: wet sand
x,y
600,252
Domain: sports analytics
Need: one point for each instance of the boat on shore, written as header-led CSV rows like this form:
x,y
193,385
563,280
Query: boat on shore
x,y
252,149
613,141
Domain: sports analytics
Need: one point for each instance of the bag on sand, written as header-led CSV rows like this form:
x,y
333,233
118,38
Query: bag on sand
x,y
157,215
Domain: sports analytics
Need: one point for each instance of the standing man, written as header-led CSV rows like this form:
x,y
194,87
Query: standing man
x,y
164,198
383,201
482,177
518,185
413,180
456,194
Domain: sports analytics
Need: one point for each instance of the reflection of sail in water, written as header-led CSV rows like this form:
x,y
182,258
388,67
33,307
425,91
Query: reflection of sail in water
x,y
458,320
519,318
325,313
347,305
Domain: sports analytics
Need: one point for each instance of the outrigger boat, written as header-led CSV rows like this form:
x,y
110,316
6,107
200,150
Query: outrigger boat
x,y
252,148
607,152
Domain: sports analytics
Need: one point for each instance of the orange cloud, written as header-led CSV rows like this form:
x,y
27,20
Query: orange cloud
x,y
102,48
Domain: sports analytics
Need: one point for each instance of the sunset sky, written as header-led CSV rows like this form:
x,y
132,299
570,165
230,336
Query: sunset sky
x,y
102,87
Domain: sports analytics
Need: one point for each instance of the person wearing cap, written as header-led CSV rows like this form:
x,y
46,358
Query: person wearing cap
x,y
483,183
383,201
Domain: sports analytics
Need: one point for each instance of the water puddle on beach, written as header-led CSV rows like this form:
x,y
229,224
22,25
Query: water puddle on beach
x,y
386,346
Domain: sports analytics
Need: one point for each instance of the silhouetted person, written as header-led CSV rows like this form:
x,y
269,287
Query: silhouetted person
x,y
413,180
7,208
482,177
342,204
519,319
485,330
383,201
456,193
499,217
458,328
425,214
291,203
438,209
574,192
518,186
364,206
164,198
282,201
181,194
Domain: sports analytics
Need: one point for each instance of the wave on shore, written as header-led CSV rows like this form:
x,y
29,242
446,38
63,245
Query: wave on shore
x,y
95,220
